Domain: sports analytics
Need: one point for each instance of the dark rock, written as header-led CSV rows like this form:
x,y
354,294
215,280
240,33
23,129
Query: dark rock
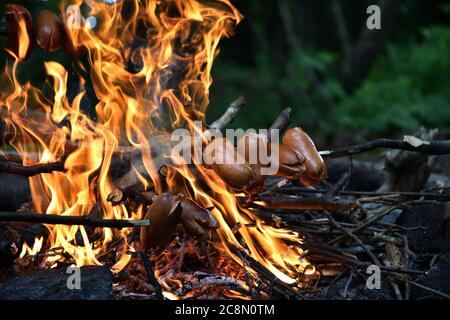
x,y
435,179
357,290
407,171
366,176
437,278
441,165
9,246
14,191
431,223
96,284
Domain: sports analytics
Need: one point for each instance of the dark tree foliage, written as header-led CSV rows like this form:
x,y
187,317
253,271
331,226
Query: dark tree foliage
x,y
342,81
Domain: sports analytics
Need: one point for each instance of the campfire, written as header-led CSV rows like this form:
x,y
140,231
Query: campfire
x,y
112,190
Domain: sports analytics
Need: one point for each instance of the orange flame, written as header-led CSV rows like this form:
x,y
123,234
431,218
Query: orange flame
x,y
171,44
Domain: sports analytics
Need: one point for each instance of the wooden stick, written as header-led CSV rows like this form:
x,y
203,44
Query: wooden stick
x,y
29,171
427,195
344,259
430,148
302,204
365,224
229,115
72,220
280,123
354,238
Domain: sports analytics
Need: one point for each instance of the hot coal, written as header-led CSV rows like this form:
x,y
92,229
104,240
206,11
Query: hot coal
x,y
366,176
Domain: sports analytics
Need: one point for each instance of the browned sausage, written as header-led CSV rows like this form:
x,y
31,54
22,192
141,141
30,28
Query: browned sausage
x,y
291,163
164,215
49,31
288,161
316,170
197,221
235,172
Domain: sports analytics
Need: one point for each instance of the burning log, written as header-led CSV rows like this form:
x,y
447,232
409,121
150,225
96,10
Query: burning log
x,y
132,197
278,285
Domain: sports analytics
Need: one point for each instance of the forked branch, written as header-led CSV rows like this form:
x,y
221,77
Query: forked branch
x,y
429,147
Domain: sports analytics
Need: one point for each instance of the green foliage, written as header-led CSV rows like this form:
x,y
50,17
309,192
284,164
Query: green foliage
x,y
408,87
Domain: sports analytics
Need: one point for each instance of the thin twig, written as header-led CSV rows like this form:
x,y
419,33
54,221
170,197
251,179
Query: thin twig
x,y
424,287
302,204
354,237
150,274
280,123
365,224
378,195
348,284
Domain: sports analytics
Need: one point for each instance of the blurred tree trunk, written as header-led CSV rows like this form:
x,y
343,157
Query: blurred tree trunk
x,y
369,45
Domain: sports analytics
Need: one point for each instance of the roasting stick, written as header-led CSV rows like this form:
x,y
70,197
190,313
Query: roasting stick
x,y
280,123
29,171
72,220
437,147
229,115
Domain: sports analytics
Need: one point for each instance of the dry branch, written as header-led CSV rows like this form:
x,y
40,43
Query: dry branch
x,y
229,115
431,148
29,171
354,238
302,204
282,122
150,274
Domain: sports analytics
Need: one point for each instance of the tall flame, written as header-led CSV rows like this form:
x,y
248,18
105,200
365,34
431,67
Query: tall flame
x,y
150,67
